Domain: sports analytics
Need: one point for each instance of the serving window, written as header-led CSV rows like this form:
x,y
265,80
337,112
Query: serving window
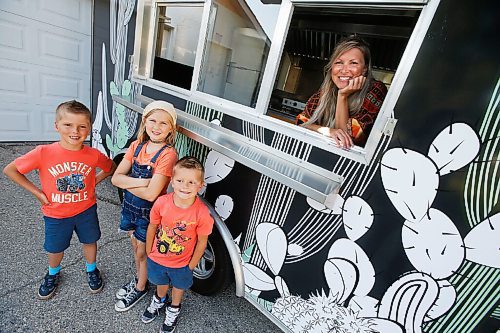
x,y
312,36
261,62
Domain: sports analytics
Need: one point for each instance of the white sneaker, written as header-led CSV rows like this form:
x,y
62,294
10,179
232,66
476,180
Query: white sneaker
x,y
171,316
131,299
153,310
126,288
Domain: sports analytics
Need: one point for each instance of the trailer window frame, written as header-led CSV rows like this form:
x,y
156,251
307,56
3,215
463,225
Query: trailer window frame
x,y
144,51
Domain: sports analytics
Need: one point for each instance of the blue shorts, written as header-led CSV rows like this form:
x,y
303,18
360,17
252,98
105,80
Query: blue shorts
x,y
136,222
58,232
179,278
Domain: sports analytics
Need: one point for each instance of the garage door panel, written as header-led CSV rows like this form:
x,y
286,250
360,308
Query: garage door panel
x,y
45,45
14,120
56,47
73,15
29,83
45,59
48,128
20,122
61,86
28,122
13,34
16,84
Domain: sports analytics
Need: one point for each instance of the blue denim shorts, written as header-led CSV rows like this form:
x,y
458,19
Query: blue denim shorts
x,y
136,222
58,232
180,278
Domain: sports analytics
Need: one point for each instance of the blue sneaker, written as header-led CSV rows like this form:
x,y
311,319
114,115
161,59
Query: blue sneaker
x,y
48,286
95,281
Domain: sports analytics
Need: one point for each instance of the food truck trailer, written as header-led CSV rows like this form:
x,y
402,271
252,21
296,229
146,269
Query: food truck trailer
x,y
401,235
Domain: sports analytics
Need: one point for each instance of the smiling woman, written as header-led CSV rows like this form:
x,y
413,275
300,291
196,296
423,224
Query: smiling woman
x,y
349,99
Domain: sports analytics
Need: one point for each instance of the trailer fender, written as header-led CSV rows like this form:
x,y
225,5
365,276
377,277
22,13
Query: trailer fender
x,y
232,249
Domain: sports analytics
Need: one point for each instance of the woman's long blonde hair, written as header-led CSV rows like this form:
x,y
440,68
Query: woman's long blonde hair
x,y
143,136
325,112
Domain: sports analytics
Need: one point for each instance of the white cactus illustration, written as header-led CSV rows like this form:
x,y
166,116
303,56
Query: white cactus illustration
x,y
217,167
408,300
444,302
295,249
281,286
341,276
454,147
320,313
257,279
357,216
224,206
366,306
272,244
381,325
433,245
410,180
482,243
347,249
97,125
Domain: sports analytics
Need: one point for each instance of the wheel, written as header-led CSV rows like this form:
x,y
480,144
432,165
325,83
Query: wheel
x,y
214,271
162,247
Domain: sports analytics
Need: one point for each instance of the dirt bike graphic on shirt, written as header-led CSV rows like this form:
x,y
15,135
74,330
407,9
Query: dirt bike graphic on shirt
x,y
71,183
170,240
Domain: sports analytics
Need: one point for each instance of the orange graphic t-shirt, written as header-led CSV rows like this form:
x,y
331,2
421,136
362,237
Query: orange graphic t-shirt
x,y
67,177
164,164
178,230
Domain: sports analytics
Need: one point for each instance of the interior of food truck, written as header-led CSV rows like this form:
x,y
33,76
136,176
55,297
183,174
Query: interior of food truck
x,y
312,36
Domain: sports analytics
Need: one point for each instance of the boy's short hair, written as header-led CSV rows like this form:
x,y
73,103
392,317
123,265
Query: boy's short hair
x,y
191,162
73,107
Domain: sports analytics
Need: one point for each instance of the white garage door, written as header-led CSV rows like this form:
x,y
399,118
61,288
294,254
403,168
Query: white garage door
x,y
45,59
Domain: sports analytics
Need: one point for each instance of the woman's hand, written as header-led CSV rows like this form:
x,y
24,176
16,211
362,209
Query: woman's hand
x,y
339,136
354,85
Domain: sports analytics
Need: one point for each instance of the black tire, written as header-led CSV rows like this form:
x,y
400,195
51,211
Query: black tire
x,y
214,273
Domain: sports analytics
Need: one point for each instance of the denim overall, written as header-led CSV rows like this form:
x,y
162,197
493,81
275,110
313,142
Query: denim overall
x,y
136,207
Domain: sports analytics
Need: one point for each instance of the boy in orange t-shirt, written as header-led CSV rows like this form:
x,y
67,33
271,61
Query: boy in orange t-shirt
x,y
176,239
67,171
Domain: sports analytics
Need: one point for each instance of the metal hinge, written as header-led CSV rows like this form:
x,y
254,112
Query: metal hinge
x,y
389,126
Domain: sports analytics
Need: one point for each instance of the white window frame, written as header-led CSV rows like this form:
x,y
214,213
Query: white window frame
x,y
258,115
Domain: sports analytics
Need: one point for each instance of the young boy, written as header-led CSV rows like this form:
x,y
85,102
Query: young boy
x,y
67,171
176,239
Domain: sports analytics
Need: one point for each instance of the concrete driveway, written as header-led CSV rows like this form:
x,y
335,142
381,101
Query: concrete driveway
x,y
23,264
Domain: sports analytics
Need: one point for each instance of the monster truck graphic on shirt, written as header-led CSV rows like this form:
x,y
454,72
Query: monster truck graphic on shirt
x,y
171,240
71,183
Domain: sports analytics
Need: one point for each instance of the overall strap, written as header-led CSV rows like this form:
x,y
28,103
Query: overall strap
x,y
153,160
138,149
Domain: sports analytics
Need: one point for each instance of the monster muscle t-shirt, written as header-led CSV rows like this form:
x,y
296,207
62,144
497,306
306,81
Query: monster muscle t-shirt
x,y
67,177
